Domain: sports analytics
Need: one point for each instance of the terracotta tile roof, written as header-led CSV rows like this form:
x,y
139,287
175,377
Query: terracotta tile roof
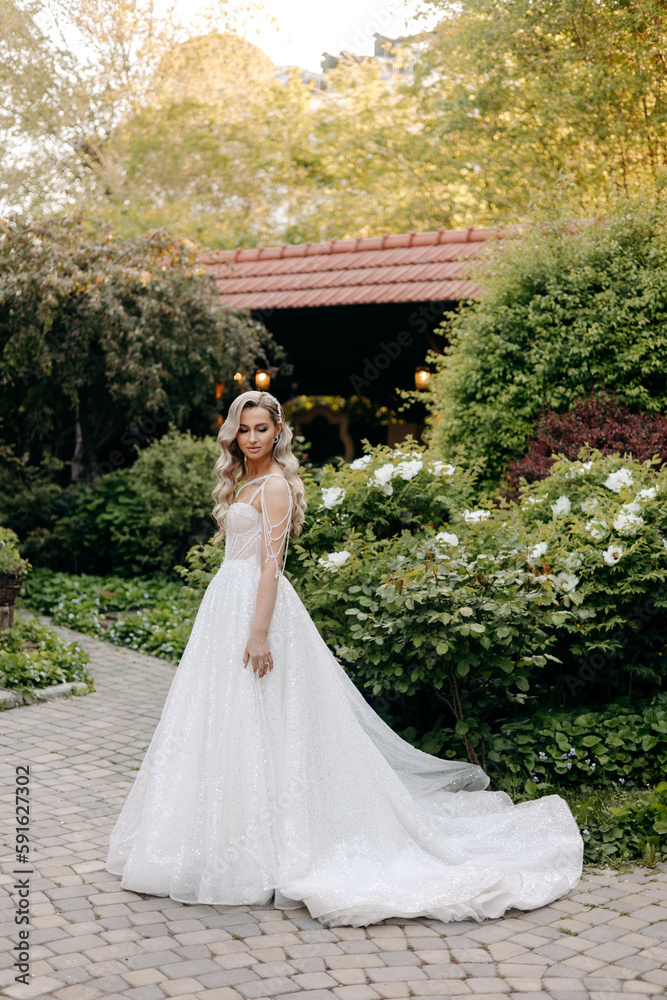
x,y
410,267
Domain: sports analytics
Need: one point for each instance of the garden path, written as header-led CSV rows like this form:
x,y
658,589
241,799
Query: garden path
x,y
91,939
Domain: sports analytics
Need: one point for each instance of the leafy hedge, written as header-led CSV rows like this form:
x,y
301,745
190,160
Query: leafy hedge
x,y
33,656
597,422
563,313
137,520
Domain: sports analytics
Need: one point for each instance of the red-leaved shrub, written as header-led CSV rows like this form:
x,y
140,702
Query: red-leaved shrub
x,y
597,421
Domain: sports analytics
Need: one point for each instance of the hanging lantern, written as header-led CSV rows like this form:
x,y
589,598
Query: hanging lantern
x,y
262,379
239,378
422,377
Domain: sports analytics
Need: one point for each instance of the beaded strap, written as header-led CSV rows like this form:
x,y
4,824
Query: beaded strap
x,y
272,544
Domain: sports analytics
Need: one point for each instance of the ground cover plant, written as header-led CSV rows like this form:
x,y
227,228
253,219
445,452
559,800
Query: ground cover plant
x,y
33,656
151,615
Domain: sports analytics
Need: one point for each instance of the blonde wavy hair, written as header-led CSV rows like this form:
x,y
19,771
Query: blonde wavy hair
x,y
231,467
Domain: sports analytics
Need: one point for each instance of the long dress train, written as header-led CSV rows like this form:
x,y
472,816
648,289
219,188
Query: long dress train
x,y
290,787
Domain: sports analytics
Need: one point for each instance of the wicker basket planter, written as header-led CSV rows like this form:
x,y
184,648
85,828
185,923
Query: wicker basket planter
x,y
10,584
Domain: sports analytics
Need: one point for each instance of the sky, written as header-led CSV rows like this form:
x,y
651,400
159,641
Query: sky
x,y
304,29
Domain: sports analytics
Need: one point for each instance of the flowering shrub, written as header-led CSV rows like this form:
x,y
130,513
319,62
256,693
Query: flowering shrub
x,y
594,422
33,656
438,605
601,525
385,491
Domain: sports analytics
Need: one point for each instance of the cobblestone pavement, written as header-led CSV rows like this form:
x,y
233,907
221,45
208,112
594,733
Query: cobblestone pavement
x,y
92,939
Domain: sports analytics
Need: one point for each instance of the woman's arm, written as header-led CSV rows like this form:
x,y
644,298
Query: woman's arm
x,y
276,516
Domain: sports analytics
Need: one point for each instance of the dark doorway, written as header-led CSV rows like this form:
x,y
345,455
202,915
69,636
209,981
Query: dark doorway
x,y
366,350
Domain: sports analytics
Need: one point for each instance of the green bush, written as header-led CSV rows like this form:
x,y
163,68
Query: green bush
x,y
622,746
33,656
517,606
634,827
600,528
562,313
10,557
150,615
31,496
142,519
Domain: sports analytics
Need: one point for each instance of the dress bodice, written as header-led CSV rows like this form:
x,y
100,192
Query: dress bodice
x,y
246,527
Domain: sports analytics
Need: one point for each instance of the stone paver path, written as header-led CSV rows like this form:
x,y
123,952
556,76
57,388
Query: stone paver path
x,y
92,939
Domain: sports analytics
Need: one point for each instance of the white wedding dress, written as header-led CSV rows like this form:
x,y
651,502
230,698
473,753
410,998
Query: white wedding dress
x,y
290,787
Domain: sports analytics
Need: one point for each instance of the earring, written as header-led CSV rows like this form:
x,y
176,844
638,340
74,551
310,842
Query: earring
x,y
275,440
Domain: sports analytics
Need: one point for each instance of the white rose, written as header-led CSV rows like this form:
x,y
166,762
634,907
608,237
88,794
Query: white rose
x,y
627,524
408,470
382,477
567,581
446,539
561,506
334,560
476,515
442,469
647,494
332,496
617,480
579,470
361,463
536,552
612,554
596,529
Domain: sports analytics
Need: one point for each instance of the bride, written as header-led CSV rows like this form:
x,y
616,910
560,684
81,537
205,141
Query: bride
x,y
269,777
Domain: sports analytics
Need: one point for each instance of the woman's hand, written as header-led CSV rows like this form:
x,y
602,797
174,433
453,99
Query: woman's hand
x,y
258,652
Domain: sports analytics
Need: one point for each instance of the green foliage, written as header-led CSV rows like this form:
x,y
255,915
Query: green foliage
x,y
101,331
556,101
151,615
514,607
563,313
33,656
11,561
31,496
561,102
634,827
601,529
624,745
142,519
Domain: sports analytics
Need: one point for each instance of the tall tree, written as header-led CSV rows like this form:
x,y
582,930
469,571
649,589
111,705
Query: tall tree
x,y
535,101
98,333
